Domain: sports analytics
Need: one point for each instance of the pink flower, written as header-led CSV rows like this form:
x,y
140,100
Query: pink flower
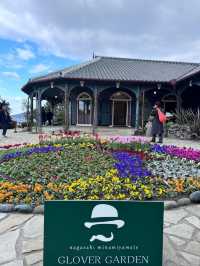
x,y
128,139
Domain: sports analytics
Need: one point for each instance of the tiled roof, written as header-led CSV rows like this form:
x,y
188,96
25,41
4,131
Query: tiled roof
x,y
124,69
189,74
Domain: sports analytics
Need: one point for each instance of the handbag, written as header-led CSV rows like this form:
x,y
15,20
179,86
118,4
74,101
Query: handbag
x,y
148,129
162,117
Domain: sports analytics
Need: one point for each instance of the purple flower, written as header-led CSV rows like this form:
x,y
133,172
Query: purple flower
x,y
37,150
187,153
159,149
129,165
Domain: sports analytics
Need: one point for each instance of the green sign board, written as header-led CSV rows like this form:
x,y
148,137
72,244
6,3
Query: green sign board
x,y
103,233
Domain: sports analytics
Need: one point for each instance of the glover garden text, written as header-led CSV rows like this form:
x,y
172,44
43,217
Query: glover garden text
x,y
81,260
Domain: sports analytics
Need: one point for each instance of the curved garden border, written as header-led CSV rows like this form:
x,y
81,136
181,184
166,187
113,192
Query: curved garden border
x,y
188,154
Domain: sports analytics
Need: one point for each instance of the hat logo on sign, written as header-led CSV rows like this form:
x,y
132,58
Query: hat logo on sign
x,y
110,216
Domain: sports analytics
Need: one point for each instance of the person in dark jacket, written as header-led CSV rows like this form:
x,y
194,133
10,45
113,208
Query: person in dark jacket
x,y
157,126
49,117
43,116
5,119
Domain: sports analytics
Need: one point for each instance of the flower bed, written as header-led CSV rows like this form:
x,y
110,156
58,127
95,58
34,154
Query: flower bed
x,y
187,153
74,167
9,146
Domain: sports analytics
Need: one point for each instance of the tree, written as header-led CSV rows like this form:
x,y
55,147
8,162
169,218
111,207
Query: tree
x,y
27,113
4,102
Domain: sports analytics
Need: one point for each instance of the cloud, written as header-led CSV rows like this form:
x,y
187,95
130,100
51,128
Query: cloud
x,y
10,74
39,68
16,103
74,29
24,53
9,60
16,58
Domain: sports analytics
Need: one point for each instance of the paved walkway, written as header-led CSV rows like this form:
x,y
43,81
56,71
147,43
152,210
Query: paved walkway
x,y
18,138
21,238
21,137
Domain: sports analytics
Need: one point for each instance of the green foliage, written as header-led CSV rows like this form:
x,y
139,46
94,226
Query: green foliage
x,y
139,132
189,118
69,141
59,114
70,163
132,146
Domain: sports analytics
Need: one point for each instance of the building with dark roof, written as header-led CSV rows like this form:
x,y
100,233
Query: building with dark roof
x,y
109,91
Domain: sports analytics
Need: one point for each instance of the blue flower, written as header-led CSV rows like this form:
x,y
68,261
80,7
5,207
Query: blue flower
x,y
158,148
129,165
37,150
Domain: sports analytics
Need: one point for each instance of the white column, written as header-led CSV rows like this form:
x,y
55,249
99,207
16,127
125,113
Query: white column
x,y
38,110
66,106
137,111
95,110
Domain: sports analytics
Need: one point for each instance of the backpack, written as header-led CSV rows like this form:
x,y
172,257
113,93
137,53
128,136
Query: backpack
x,y
162,117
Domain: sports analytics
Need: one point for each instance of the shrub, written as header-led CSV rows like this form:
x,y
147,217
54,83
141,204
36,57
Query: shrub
x,y
190,118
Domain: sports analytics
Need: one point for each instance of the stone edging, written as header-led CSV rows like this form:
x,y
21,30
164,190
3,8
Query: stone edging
x,y
193,198
21,208
27,208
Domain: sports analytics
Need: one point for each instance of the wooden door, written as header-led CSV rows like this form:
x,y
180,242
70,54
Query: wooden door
x,y
120,113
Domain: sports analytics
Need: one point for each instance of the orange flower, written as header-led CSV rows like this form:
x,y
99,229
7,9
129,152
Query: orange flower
x,y
2,197
38,188
179,185
48,196
20,188
53,187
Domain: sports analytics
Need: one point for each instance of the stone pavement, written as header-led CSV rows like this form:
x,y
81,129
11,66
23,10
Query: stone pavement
x,y
21,238
21,137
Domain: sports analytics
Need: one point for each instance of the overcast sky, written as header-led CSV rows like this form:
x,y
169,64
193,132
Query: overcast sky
x,y
38,36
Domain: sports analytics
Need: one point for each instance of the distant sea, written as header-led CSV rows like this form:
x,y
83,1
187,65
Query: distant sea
x,y
19,117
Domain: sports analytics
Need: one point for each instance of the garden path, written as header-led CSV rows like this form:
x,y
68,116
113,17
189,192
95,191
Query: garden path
x,y
21,137
21,238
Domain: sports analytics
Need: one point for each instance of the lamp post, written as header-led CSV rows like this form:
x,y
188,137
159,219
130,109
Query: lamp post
x,y
117,85
82,83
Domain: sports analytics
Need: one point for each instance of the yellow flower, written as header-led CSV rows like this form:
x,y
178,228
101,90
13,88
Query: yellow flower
x,y
161,191
121,196
38,188
115,179
57,145
134,194
107,197
70,189
133,187
93,197
113,171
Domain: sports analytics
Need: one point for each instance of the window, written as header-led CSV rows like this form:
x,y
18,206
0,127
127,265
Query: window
x,y
84,109
120,96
